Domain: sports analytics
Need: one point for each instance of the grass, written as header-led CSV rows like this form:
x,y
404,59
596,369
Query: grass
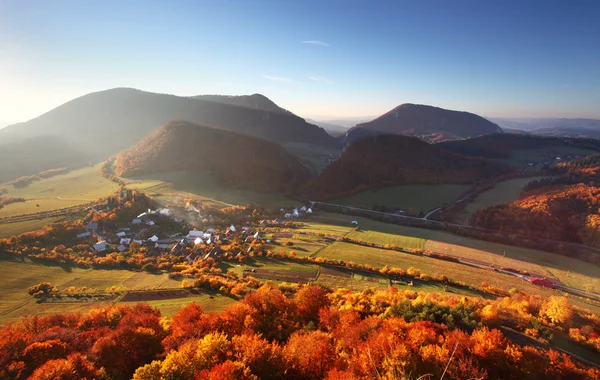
x,y
203,187
18,277
71,189
211,303
10,229
502,192
572,272
416,198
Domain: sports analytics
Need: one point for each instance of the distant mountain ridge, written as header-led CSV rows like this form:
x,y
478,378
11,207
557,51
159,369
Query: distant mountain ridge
x,y
237,160
426,122
103,123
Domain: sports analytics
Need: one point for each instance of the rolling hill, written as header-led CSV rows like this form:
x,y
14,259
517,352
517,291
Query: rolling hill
x,y
238,161
426,122
380,161
103,123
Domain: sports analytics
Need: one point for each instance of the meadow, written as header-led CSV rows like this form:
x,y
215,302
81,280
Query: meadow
x,y
74,188
570,271
18,277
416,198
502,192
521,158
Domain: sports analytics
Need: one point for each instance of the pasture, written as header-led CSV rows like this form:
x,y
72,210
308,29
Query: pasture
x,y
74,188
16,228
502,192
570,271
415,198
18,277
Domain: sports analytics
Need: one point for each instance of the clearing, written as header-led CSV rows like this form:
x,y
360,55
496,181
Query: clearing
x,y
503,192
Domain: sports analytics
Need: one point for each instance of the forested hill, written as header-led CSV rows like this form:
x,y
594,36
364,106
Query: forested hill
x,y
501,145
379,161
427,122
237,160
103,123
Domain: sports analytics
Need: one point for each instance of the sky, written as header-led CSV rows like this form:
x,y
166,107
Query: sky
x,y
319,59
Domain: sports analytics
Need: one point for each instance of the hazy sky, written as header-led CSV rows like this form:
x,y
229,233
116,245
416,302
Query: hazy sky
x,y
316,58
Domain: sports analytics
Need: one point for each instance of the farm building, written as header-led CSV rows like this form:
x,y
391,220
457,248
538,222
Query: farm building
x,y
100,246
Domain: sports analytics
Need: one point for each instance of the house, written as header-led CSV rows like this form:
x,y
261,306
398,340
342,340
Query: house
x,y
150,223
309,211
163,246
247,229
153,239
232,228
83,235
257,236
164,211
198,241
138,242
136,221
121,234
264,222
354,222
126,229
91,226
277,221
214,253
100,246
121,248
288,215
211,230
541,282
194,235
125,241
303,208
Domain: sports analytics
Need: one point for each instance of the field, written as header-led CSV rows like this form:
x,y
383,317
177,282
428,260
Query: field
x,y
571,272
417,198
18,277
203,187
10,229
70,189
502,192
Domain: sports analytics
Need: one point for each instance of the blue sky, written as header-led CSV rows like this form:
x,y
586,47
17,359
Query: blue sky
x,y
317,58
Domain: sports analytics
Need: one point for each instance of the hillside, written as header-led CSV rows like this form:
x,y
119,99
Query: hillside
x,y
395,160
502,145
104,123
426,122
37,154
238,161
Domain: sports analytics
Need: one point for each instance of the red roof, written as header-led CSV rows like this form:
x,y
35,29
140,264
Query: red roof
x,y
541,282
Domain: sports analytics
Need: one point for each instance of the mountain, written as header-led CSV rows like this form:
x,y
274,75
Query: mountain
x,y
426,122
103,123
502,145
585,128
255,101
37,154
390,160
237,160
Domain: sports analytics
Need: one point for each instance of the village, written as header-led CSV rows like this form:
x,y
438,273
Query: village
x,y
175,231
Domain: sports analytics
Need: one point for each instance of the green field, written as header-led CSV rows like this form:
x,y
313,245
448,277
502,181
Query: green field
x,y
416,198
10,229
18,277
572,272
65,190
203,187
502,192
